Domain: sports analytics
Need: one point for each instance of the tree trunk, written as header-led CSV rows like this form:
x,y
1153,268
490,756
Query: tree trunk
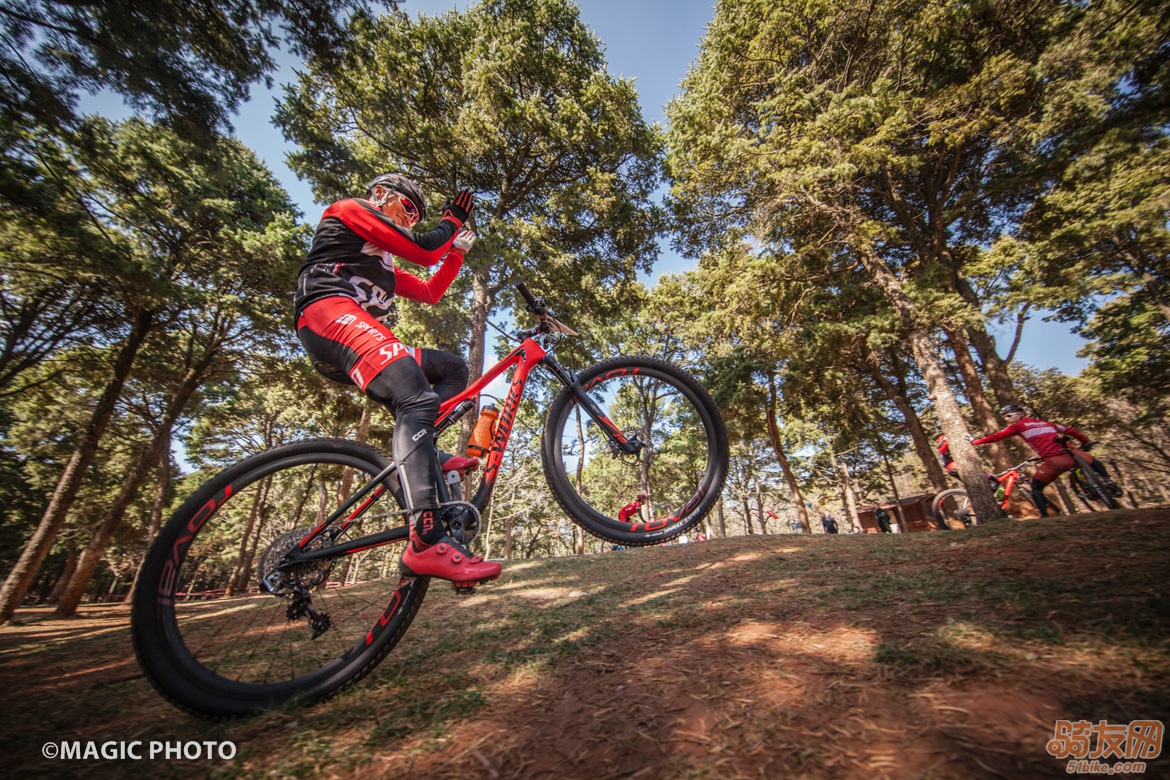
x,y
156,508
922,446
508,539
894,488
239,572
847,490
580,473
993,367
925,452
67,572
481,304
984,415
778,448
113,517
363,432
723,522
760,509
747,514
949,414
38,546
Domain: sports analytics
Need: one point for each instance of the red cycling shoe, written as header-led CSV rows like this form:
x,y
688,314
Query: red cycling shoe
x,y
447,560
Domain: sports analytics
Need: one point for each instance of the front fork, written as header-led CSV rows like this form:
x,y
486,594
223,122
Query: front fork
x,y
617,440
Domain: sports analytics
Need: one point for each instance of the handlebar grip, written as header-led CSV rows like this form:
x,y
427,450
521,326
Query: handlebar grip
x,y
526,294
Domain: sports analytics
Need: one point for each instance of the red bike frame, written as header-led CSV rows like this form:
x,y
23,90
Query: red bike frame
x,y
525,357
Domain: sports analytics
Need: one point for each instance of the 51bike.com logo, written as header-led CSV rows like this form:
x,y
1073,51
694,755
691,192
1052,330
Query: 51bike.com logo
x,y
1090,746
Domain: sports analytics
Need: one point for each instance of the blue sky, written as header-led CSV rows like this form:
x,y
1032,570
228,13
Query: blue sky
x,y
653,42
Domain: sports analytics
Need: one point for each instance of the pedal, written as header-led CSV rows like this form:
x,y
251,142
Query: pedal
x,y
464,589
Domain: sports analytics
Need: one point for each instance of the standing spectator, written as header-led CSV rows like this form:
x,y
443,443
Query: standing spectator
x,y
829,523
883,519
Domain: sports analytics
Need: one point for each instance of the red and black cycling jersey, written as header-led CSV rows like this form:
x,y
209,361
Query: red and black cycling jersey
x,y
1039,434
353,255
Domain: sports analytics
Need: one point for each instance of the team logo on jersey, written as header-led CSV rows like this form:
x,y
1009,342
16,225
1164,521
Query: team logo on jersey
x,y
346,319
392,352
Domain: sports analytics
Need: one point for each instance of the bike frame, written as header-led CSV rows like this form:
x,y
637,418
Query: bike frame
x,y
524,359
1008,480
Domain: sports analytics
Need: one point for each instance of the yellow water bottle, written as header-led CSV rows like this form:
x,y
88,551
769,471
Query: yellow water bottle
x,y
485,429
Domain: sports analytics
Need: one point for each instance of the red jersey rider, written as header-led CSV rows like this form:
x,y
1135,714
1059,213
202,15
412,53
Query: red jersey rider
x,y
632,509
944,455
344,296
1041,436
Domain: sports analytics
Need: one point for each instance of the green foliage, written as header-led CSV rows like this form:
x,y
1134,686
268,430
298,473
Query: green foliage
x,y
511,99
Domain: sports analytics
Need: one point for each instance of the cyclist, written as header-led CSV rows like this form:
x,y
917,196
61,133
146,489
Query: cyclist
x,y
1041,436
344,295
632,509
944,455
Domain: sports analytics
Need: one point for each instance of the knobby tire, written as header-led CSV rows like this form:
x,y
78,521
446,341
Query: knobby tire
x,y
682,468
235,656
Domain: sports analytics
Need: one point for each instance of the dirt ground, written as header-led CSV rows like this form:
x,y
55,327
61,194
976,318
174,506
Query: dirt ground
x,y
933,655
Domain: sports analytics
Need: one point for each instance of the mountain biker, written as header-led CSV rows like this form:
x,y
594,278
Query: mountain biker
x,y
632,509
344,295
944,455
1041,436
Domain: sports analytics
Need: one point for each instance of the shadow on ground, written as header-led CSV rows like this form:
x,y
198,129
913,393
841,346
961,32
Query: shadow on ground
x,y
926,655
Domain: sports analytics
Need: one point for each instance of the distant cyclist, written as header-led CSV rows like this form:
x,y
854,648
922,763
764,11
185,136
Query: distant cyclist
x,y
1041,436
632,510
944,455
345,296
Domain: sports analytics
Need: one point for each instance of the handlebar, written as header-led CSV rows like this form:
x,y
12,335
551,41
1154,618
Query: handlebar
x,y
535,305
1018,466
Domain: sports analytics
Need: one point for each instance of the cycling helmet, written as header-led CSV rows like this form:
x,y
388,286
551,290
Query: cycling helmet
x,y
1010,408
641,496
396,182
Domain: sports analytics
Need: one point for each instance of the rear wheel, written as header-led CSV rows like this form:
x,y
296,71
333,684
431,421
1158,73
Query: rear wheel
x,y
952,510
680,468
1096,493
220,637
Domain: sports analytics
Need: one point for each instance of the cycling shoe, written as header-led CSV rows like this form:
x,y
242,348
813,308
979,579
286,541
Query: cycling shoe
x,y
447,560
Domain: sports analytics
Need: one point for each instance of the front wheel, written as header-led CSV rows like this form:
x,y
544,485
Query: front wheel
x,y
952,509
680,467
222,630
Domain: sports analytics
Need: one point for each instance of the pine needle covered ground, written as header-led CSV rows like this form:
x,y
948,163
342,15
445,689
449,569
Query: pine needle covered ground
x,y
924,655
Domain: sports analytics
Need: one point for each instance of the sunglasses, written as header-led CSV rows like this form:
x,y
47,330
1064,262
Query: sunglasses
x,y
409,208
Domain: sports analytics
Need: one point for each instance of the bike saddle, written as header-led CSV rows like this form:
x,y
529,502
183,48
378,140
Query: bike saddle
x,y
460,463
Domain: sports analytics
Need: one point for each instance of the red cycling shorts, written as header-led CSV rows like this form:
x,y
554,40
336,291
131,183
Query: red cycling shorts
x,y
339,332
1051,468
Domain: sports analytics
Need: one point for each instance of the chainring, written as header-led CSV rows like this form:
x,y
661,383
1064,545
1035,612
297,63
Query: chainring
x,y
462,521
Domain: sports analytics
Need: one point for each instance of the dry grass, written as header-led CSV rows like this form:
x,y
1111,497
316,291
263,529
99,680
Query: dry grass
x,y
928,655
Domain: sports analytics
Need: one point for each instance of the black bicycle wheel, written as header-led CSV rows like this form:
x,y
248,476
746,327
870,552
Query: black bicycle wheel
x,y
680,469
208,633
1081,491
1095,488
952,507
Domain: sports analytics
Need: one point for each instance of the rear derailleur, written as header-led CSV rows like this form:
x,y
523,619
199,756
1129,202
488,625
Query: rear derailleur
x,y
301,605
